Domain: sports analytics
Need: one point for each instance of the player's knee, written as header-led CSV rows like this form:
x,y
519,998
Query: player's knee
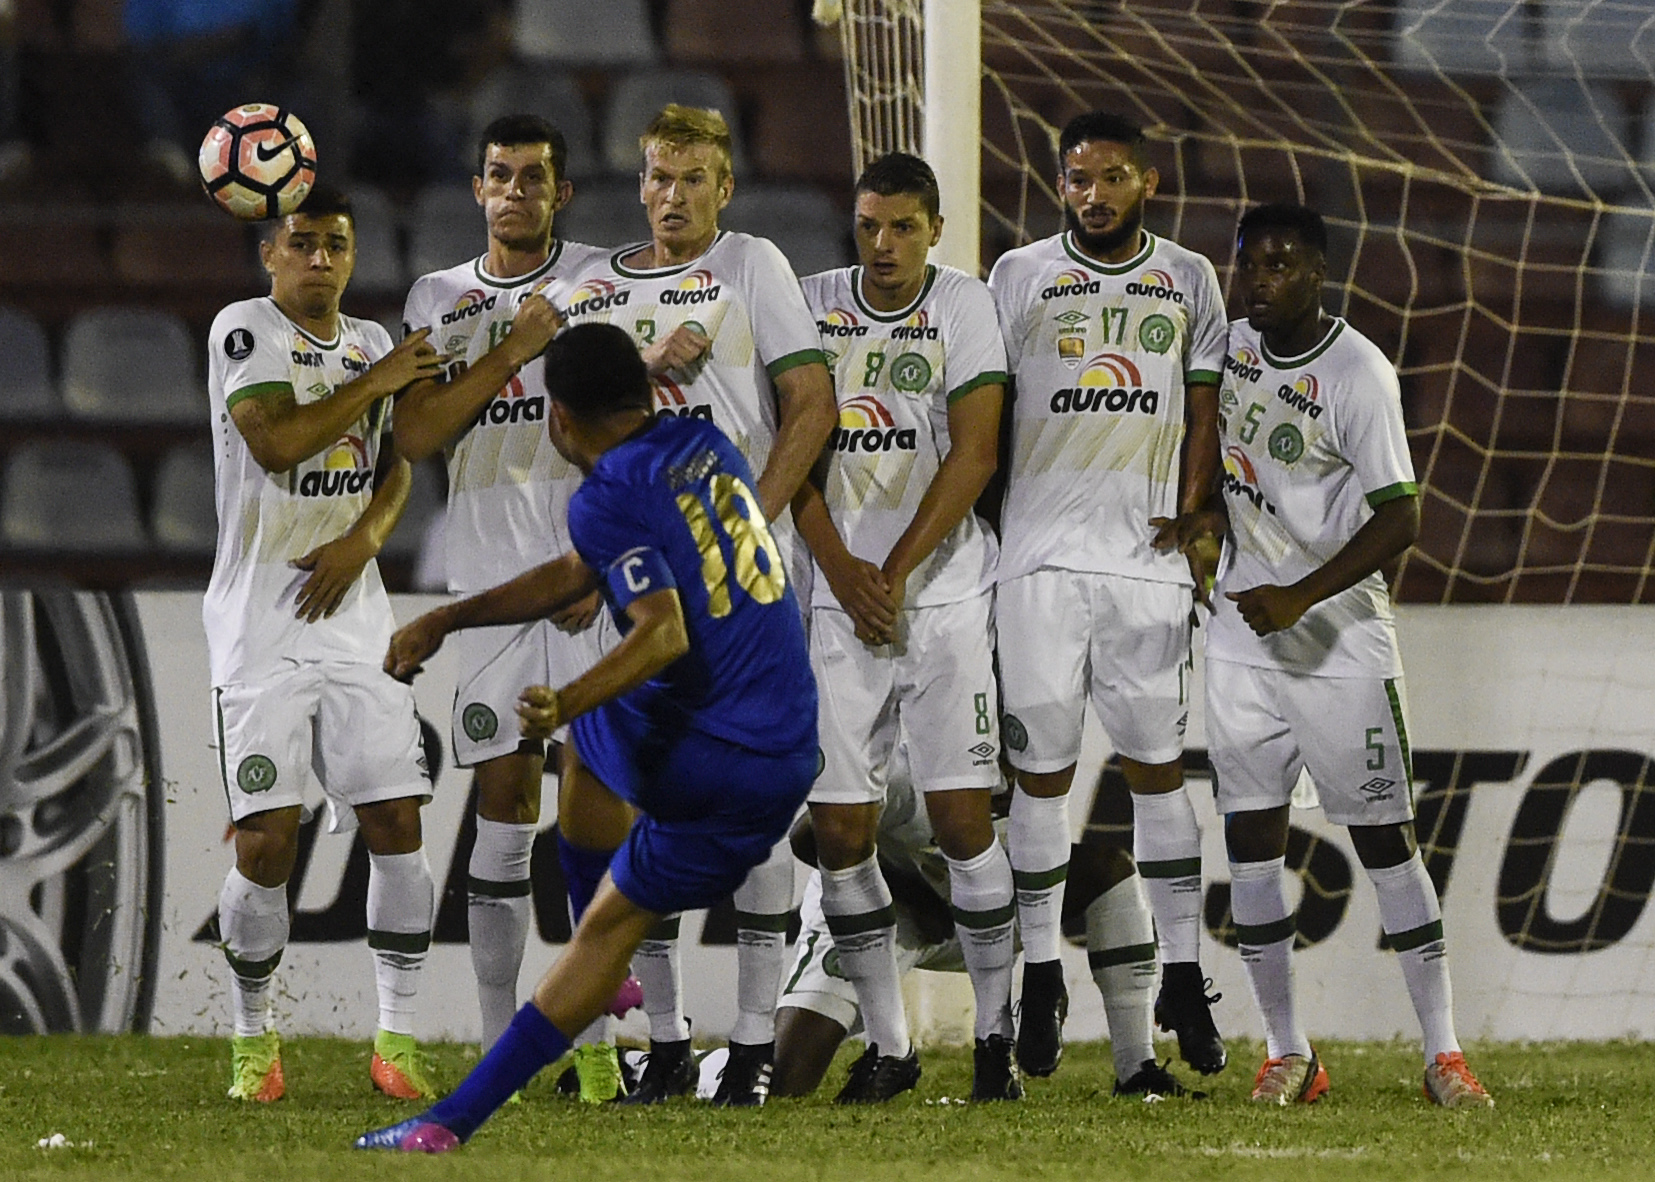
x,y
963,821
1379,847
267,845
508,788
1046,784
1256,836
391,826
845,835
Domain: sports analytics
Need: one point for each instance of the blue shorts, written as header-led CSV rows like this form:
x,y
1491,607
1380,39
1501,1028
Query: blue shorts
x,y
711,810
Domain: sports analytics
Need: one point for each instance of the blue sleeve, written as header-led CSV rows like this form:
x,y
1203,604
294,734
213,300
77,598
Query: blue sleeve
x,y
638,572
606,522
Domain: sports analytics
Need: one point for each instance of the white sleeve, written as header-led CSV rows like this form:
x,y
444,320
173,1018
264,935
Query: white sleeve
x,y
418,311
1002,287
249,354
976,355
1209,341
784,331
1371,435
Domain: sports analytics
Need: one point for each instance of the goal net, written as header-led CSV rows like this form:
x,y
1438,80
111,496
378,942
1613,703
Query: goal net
x,y
1486,169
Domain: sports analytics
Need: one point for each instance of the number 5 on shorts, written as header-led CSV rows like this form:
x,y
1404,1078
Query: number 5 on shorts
x,y
1376,744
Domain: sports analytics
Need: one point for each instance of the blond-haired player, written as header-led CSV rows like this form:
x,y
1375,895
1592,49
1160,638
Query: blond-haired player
x,y
297,623
724,330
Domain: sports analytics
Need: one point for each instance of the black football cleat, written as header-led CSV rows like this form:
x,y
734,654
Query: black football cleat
x,y
745,1080
670,1071
1040,1018
993,1072
1153,1079
1185,1008
876,1078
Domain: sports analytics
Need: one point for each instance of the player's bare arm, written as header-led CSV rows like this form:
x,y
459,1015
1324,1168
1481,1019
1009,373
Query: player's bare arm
x,y
432,413
658,637
679,349
1390,531
860,586
973,457
280,432
533,595
335,566
808,414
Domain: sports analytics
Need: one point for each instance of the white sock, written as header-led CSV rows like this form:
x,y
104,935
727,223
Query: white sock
x,y
498,911
658,970
1038,838
1412,919
1120,948
857,906
253,923
984,906
1265,931
400,898
764,903
1166,844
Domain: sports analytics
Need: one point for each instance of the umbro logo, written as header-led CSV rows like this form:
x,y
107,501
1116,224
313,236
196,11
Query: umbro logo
x,y
1376,790
985,753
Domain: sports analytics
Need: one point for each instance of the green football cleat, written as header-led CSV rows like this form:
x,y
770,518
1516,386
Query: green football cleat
x,y
399,1068
598,1068
256,1068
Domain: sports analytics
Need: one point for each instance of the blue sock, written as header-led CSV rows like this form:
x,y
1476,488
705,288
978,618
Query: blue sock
x,y
583,869
527,1045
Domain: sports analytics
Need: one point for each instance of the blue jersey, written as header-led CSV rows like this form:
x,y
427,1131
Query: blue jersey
x,y
673,506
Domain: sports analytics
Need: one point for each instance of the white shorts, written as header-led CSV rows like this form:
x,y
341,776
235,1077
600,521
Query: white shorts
x,y
1350,733
350,724
495,665
1066,634
935,685
816,982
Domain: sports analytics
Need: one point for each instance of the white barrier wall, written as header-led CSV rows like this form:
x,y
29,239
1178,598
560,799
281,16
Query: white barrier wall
x,y
1500,697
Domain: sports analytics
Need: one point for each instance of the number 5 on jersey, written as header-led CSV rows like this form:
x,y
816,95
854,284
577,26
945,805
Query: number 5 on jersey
x,y
742,524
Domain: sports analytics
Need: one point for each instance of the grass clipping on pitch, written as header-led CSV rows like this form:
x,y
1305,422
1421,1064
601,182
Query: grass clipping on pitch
x,y
155,1107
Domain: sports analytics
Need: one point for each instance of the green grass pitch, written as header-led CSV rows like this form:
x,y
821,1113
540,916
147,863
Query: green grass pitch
x,y
155,1107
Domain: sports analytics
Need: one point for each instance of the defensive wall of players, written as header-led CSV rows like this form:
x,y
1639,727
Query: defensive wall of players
x,y
1549,926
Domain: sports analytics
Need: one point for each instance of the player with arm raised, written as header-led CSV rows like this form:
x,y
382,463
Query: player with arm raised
x,y
508,495
703,717
727,338
903,620
296,620
1303,671
1115,338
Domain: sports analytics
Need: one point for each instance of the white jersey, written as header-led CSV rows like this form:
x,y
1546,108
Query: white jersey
x,y
1100,356
741,293
268,519
895,374
1310,445
508,489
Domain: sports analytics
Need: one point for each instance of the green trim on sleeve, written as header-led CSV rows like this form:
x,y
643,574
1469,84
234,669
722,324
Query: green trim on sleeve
x,y
1202,377
991,377
1392,492
258,390
793,360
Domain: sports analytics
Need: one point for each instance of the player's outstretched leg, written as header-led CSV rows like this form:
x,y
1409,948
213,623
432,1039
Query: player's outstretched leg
x,y
574,991
253,923
764,903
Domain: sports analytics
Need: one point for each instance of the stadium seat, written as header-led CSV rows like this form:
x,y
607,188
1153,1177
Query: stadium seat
x,y
1600,40
801,220
1548,122
607,33
131,365
184,519
639,98
543,91
378,253
425,501
723,31
604,213
181,246
446,228
40,250
26,390
1626,264
1461,37
70,496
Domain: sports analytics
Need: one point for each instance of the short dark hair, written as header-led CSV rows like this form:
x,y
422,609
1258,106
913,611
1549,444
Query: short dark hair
x,y
595,371
511,130
898,172
322,201
1286,215
1105,126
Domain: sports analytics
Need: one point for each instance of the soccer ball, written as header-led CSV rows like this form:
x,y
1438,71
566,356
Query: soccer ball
x,y
258,161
